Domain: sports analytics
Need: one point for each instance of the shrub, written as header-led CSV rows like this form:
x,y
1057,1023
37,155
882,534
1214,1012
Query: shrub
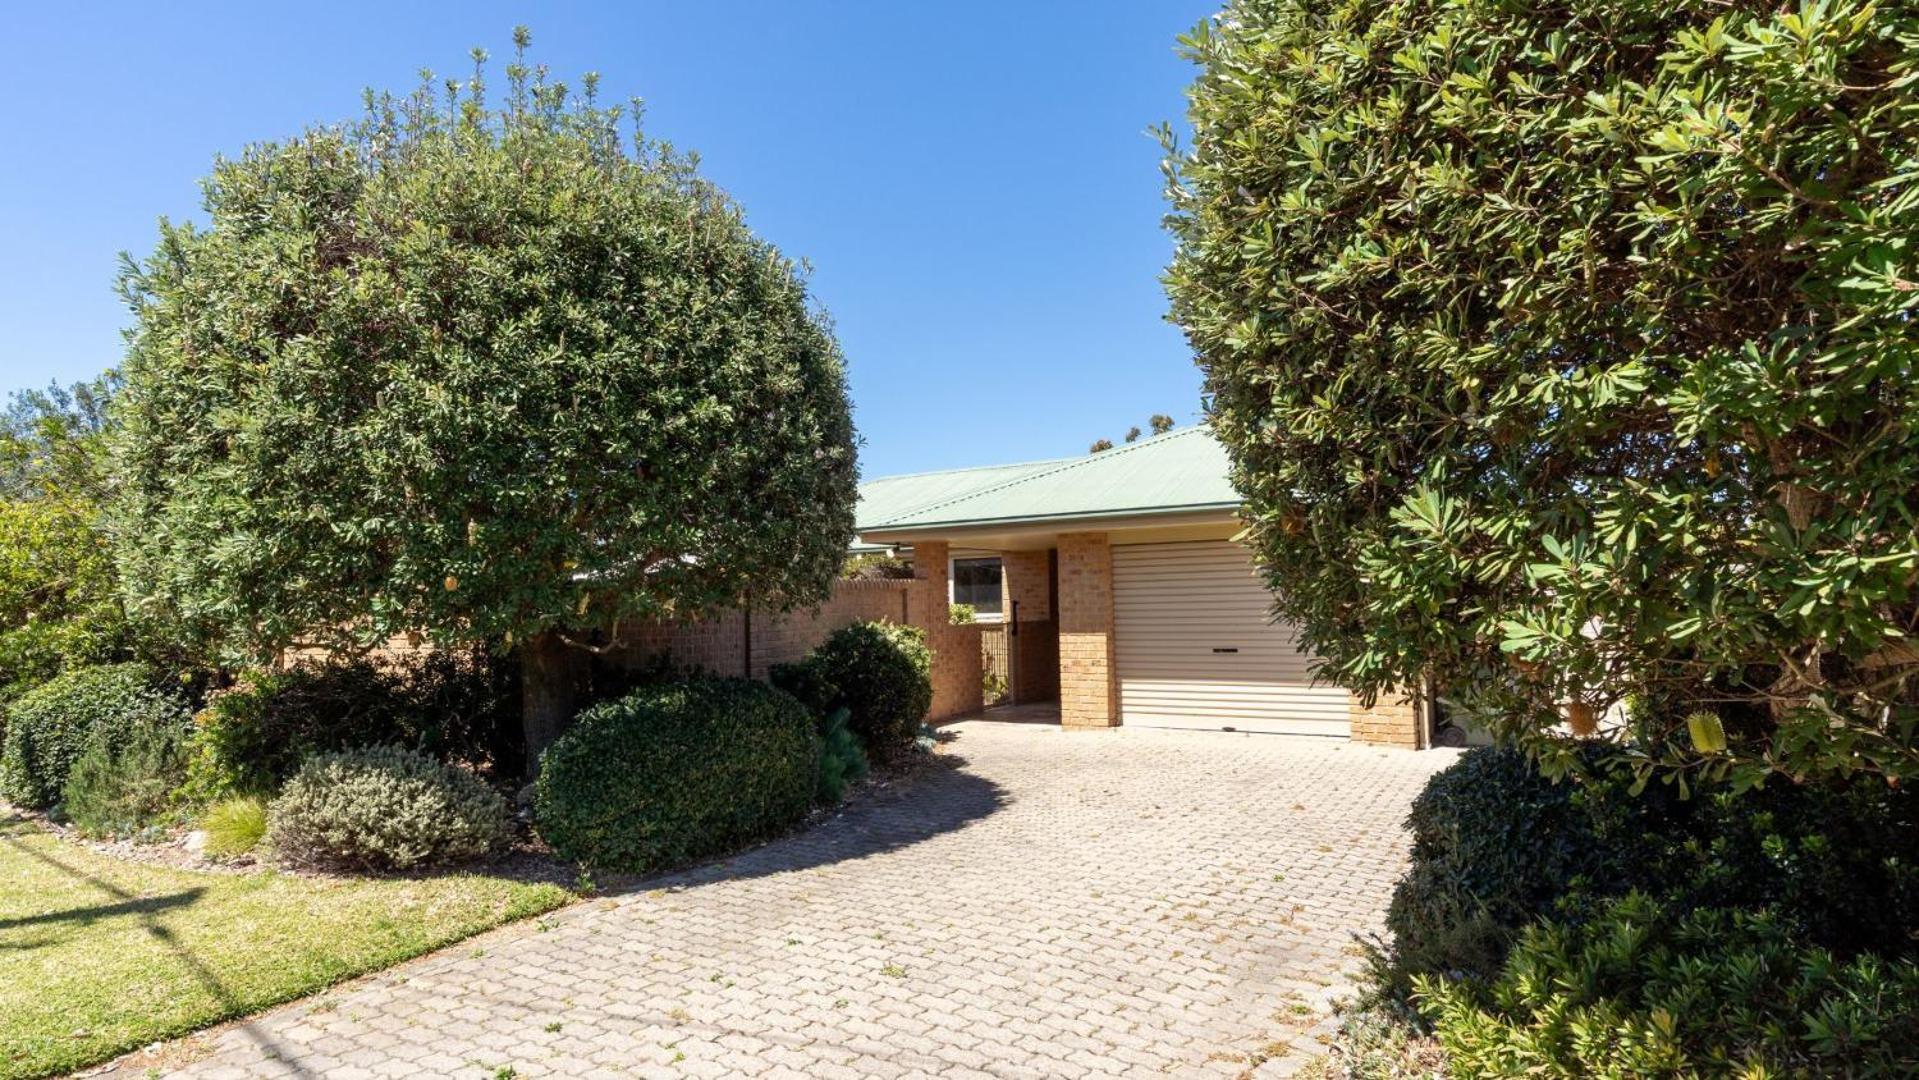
x,y
59,599
1496,846
961,614
49,727
384,808
880,672
806,680
249,739
1635,988
1519,321
322,434
875,566
234,826
125,784
673,773
841,760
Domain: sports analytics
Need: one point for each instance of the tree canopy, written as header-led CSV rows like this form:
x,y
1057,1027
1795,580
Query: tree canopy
x,y
480,371
60,603
1566,355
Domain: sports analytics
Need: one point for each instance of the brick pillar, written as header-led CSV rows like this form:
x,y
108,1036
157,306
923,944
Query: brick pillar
x,y
956,649
1087,694
1392,721
928,602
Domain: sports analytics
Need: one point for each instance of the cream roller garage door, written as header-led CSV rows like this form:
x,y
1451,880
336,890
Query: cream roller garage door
x,y
1194,648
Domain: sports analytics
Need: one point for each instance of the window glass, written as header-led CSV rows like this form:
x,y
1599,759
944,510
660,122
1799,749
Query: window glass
x,y
976,582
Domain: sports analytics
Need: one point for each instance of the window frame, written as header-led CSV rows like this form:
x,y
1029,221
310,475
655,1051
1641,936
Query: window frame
x,y
952,585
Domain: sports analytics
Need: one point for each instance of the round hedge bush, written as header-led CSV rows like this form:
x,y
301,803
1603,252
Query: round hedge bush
x,y
384,808
676,772
879,672
50,726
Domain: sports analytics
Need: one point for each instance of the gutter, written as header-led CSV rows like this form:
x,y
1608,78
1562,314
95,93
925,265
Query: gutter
x,y
893,533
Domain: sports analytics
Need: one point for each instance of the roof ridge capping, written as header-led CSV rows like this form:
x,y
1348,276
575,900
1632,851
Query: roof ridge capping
x,y
969,468
1060,465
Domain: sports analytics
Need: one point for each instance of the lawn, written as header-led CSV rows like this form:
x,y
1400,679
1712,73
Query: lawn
x,y
99,956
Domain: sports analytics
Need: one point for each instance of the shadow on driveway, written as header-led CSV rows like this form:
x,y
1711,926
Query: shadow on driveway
x,y
942,797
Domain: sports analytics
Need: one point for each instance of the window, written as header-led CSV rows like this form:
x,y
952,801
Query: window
x,y
976,582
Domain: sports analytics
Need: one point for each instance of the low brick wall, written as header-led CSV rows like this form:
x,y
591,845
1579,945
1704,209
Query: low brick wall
x,y
1392,721
956,672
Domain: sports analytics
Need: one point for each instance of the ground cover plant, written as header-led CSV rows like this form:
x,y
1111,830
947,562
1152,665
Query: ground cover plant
x,y
99,955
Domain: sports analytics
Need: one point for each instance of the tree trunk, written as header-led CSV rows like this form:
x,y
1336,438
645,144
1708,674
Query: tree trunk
x,y
548,668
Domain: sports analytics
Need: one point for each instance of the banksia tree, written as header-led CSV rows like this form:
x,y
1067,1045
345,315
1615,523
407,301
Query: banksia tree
x,y
1566,355
491,373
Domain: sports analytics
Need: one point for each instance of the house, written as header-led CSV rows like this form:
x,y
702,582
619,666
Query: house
x,y
1118,592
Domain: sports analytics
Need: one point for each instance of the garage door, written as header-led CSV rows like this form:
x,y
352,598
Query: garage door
x,y
1194,648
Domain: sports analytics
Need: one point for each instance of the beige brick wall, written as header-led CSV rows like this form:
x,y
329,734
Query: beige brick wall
x,y
956,649
718,645
1392,721
1033,654
1023,581
1086,691
785,638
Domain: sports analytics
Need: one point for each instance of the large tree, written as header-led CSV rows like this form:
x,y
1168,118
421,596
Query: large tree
x,y
1566,354
60,603
487,373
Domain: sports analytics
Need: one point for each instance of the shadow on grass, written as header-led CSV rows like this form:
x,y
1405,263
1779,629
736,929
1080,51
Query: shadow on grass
x,y
148,910
146,905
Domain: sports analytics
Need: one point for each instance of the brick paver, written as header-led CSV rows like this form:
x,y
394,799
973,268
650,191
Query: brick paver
x,y
1055,904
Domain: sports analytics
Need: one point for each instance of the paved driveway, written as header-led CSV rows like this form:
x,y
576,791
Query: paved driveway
x,y
1055,904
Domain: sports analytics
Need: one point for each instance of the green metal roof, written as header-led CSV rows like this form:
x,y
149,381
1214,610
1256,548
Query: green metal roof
x,y
1180,470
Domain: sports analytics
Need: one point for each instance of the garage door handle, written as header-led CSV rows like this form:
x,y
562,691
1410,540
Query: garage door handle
x,y
1226,650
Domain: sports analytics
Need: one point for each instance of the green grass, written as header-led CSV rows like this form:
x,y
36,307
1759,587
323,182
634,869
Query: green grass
x,y
100,956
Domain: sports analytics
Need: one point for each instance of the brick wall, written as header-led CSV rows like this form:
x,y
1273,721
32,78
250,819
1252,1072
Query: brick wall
x,y
718,645
1392,721
1023,581
956,649
1086,692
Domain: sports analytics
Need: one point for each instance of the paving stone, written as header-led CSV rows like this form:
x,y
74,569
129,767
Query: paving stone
x,y
1115,903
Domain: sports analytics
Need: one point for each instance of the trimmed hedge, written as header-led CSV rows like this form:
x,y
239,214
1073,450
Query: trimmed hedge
x,y
384,808
51,726
673,773
879,672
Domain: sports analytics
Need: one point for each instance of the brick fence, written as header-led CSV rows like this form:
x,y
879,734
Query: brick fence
x,y
748,643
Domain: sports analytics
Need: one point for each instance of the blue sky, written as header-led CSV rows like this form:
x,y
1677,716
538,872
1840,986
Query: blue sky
x,y
972,182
